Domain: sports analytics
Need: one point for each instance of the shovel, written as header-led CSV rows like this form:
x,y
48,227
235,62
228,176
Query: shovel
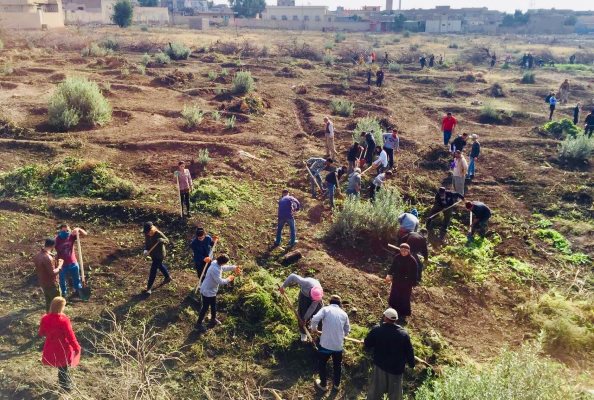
x,y
181,205
197,290
85,291
313,177
301,322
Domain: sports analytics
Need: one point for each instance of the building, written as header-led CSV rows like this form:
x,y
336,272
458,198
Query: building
x,y
78,12
366,13
285,3
301,13
217,14
443,25
31,14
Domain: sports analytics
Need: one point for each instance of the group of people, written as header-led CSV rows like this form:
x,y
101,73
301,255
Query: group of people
x,y
429,61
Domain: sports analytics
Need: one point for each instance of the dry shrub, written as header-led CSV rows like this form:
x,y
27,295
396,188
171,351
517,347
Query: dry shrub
x,y
245,48
297,49
496,90
584,57
475,55
409,57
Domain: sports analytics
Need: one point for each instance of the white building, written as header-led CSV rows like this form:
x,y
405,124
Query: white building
x,y
299,13
31,14
443,25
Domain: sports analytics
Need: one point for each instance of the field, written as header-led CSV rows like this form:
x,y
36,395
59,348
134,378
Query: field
x,y
530,279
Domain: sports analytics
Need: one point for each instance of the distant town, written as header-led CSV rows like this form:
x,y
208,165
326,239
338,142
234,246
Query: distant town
x,y
203,14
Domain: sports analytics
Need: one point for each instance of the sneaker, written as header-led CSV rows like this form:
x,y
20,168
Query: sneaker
x,y
214,323
167,280
319,386
148,291
294,243
200,328
304,337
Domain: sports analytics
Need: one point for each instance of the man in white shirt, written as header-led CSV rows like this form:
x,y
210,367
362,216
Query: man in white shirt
x,y
329,134
378,182
381,163
459,172
391,145
335,326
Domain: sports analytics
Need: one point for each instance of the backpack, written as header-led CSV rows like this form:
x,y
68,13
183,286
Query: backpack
x,y
548,98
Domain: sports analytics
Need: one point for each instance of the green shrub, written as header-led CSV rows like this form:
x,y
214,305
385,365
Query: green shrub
x,y
342,107
6,69
489,115
529,78
192,116
122,13
339,37
368,124
224,72
72,178
230,122
242,83
141,69
94,50
395,67
215,115
512,376
162,58
219,196
329,46
328,60
406,34
506,66
373,220
144,28
212,75
203,158
111,44
576,150
562,128
449,90
78,100
145,60
177,51
453,46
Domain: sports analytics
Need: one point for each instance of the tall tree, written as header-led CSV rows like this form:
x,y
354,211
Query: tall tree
x,y
122,13
148,3
248,8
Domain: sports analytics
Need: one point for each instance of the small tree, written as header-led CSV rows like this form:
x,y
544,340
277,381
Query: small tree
x,y
248,8
243,83
148,3
122,13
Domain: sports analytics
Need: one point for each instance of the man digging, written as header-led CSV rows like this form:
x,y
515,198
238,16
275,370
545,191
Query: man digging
x,y
309,300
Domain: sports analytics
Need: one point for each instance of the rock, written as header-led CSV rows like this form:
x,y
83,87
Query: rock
x,y
292,257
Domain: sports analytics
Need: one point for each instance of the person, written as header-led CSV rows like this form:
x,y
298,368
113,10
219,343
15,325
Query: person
x,y
335,326
154,246
493,60
354,187
459,170
353,156
459,142
525,60
403,276
391,144
576,114
201,246
422,61
61,349
448,126
440,59
552,105
443,200
392,351
475,152
329,129
564,92
378,182
287,207
369,59
369,146
381,162
183,179
368,74
572,59
418,247
373,56
480,222
386,59
316,165
361,60
209,288
309,301
379,77
409,222
47,272
530,61
589,124
431,61
332,179
65,250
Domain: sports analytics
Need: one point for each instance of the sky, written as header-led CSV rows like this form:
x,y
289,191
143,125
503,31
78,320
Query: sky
x,y
501,5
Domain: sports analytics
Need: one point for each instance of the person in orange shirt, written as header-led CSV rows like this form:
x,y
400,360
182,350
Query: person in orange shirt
x,y
448,126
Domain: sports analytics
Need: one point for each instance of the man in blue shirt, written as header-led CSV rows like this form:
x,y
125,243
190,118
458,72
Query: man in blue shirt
x,y
201,246
287,207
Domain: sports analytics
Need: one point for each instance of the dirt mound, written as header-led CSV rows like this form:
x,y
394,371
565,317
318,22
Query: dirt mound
x,y
58,77
176,77
436,158
8,85
287,72
304,115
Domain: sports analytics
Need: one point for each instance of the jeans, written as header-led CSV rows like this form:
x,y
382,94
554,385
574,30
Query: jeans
x,y
331,188
313,184
73,271
589,130
470,172
157,264
208,302
390,153
351,192
383,382
279,230
323,357
373,190
185,199
64,379
447,135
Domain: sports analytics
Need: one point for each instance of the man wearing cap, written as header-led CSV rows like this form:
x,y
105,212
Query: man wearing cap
x,y
480,222
418,247
403,276
201,246
443,200
154,246
183,178
287,207
459,170
309,300
475,151
392,350
409,222
354,187
335,324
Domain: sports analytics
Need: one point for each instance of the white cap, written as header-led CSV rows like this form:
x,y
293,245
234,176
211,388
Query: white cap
x,y
391,314
474,136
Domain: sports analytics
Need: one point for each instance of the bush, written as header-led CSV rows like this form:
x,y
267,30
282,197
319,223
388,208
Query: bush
x,y
329,46
339,37
489,115
374,220
242,83
94,50
72,178
177,51
215,115
192,116
145,60
78,100
449,90
496,90
224,72
406,34
395,67
230,122
561,129
368,124
219,196
144,28
576,150
162,58
212,75
528,78
111,44
203,158
453,46
342,107
512,376
328,60
122,13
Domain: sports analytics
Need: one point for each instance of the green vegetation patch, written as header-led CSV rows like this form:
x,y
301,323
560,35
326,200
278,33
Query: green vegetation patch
x,y
368,124
72,178
342,107
561,128
219,196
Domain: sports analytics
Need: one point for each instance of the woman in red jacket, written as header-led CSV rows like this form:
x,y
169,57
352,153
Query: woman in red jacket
x,y
61,349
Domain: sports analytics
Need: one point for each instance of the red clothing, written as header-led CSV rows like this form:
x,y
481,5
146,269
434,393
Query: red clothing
x,y
448,123
65,249
61,349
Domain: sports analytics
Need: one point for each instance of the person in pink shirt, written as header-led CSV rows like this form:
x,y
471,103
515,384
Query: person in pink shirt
x,y
65,241
183,176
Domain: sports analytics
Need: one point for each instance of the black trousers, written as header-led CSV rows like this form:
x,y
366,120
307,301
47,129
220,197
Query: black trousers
x,y
156,264
552,108
390,153
185,199
64,379
323,357
208,302
589,130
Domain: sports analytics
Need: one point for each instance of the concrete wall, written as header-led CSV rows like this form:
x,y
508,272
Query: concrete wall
x,y
443,26
299,25
309,13
150,15
27,20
